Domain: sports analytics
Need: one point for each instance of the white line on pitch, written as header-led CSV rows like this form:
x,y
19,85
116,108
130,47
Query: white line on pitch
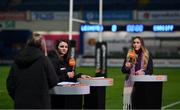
x,y
170,105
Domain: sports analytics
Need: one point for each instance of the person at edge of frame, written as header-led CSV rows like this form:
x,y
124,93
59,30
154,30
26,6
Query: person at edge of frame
x,y
31,76
137,62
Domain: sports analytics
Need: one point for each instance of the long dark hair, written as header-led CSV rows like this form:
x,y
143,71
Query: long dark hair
x,y
66,56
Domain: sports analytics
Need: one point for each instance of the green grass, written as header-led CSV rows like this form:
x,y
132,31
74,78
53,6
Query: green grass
x,y
171,88
5,100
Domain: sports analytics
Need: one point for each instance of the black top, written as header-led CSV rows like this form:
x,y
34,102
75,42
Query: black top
x,y
61,66
149,69
30,78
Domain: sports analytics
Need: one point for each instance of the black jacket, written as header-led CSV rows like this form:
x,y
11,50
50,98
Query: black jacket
x,y
148,71
61,66
30,78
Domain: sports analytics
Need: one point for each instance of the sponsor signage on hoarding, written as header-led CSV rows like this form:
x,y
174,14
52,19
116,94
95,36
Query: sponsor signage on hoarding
x,y
8,24
158,15
49,15
13,16
109,15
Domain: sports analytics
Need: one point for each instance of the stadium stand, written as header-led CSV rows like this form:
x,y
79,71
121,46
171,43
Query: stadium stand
x,y
63,5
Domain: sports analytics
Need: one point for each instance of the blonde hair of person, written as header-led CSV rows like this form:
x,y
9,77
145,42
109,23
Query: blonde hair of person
x,y
37,40
145,56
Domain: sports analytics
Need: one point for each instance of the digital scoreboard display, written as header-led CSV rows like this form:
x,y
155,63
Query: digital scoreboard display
x,y
133,28
92,28
114,28
163,28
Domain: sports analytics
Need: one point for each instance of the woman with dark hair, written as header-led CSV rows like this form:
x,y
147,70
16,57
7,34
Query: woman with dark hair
x,y
31,76
60,59
137,62
64,69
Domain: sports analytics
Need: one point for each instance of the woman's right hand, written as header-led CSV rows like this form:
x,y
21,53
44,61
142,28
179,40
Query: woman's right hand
x,y
71,74
128,64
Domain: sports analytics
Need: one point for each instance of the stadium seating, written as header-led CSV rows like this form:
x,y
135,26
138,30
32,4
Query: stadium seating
x,y
63,5
3,4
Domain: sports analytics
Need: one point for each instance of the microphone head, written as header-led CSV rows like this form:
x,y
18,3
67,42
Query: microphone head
x,y
132,54
72,62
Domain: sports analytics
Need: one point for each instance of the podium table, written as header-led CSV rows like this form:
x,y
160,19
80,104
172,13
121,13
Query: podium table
x,y
70,96
147,91
96,98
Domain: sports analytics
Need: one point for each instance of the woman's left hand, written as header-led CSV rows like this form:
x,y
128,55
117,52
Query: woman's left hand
x,y
140,72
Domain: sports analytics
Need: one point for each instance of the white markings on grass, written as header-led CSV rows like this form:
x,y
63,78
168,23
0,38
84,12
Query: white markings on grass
x,y
170,105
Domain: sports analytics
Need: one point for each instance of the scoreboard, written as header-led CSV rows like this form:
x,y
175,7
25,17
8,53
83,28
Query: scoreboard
x,y
129,28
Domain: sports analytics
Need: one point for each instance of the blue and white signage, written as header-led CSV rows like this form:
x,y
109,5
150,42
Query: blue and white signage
x,y
109,15
163,28
43,16
114,28
158,15
135,28
50,15
91,28
132,28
